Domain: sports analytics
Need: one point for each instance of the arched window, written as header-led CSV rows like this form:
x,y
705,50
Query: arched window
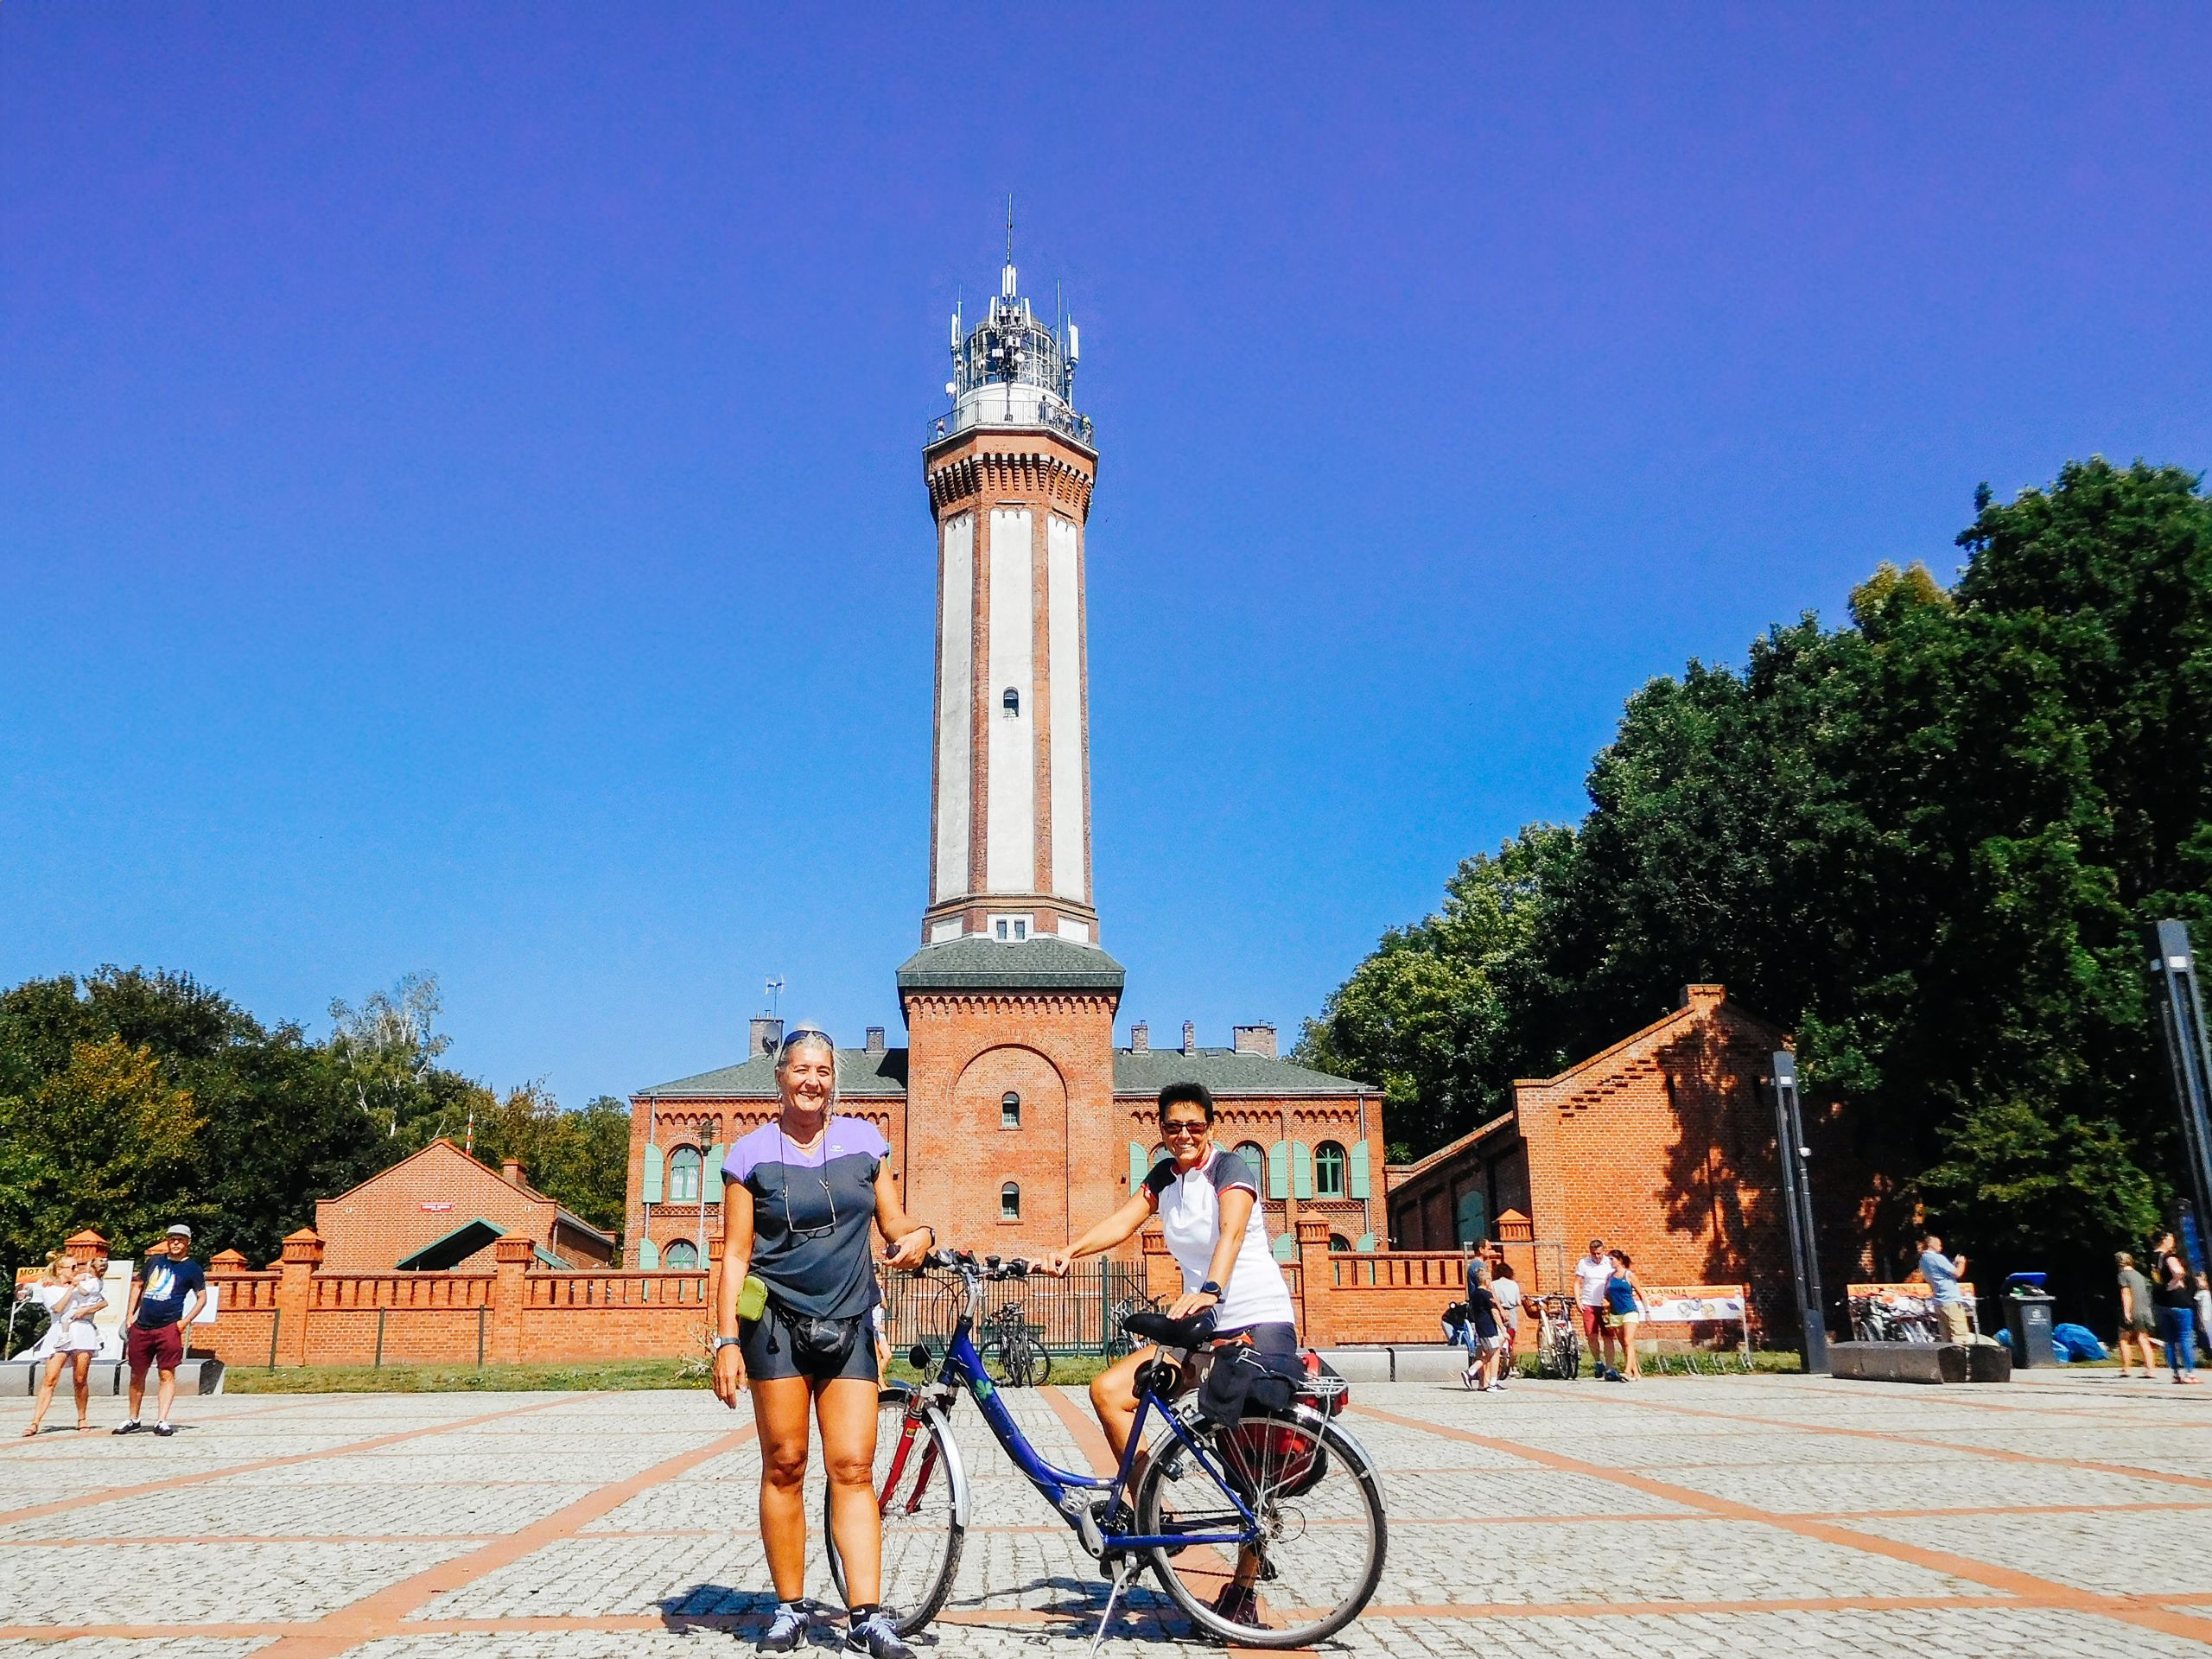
x,y
1009,1110
1339,1245
1009,1202
1255,1159
682,1257
1328,1171
683,1175
1158,1153
1011,700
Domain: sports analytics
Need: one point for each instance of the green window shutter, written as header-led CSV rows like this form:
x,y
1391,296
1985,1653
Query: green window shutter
x,y
710,1186
1279,1170
1301,1170
1366,1241
1139,1165
1357,1179
1286,1247
648,1254
653,1181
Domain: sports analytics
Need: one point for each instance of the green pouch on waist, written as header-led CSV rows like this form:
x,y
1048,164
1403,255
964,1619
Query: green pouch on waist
x,y
752,1298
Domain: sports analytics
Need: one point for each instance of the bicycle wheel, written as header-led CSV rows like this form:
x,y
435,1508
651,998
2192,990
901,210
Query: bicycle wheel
x,y
1040,1362
998,1365
1322,1534
924,1511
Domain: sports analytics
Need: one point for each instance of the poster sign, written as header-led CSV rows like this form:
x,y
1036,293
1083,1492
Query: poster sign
x,y
1695,1305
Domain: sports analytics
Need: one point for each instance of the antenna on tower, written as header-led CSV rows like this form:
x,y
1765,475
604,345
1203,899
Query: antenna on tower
x,y
1006,278
775,989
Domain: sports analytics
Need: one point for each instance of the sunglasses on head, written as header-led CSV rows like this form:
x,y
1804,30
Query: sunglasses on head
x,y
804,1034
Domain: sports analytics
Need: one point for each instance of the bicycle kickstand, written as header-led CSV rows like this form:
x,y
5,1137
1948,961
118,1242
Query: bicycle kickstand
x,y
1124,1575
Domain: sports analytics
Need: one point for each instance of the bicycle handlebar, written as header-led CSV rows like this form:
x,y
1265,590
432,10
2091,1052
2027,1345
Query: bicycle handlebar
x,y
968,1265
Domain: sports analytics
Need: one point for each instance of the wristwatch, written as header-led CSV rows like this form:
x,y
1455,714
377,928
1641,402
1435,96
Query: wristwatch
x,y
721,1343
1210,1288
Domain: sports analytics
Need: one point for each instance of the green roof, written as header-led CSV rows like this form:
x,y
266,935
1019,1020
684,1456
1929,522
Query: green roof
x,y
1225,1072
980,964
860,1074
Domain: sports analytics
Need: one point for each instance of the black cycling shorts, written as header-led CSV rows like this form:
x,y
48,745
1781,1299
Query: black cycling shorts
x,y
1273,1338
770,1353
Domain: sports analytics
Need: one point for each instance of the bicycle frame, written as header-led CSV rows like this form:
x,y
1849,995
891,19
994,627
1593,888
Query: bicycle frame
x,y
1069,1493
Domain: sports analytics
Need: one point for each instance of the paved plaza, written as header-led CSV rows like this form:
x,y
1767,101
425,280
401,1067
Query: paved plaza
x,y
1679,1517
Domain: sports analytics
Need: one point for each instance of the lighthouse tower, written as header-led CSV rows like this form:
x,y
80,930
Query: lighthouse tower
x,y
1010,1001
1009,469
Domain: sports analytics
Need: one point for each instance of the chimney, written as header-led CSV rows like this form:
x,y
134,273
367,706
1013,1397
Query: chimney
x,y
1140,1038
510,1169
1190,1037
1254,1039
767,1031
875,1040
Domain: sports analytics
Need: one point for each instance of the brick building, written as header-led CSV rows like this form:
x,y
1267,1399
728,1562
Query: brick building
x,y
1014,1117
1662,1143
442,1210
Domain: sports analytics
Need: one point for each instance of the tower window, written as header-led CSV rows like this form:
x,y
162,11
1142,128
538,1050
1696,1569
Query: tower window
x,y
682,1257
1010,1110
683,1175
1009,1202
1329,1170
1010,929
1011,700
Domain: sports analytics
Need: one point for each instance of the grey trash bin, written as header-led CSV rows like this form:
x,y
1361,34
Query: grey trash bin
x,y
2027,1316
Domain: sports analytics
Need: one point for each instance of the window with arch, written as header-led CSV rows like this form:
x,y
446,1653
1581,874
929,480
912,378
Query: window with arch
x,y
1009,1202
1158,1153
1009,1110
1328,1171
682,1257
1010,699
1255,1159
683,1166
1339,1245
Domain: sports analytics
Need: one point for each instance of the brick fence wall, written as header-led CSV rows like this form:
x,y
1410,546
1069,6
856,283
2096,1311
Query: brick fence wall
x,y
294,1313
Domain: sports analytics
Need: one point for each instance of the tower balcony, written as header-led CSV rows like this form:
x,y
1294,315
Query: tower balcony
x,y
1010,406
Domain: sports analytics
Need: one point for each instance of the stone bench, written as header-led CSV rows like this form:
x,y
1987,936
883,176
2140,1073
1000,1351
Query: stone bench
x,y
1919,1362
19,1377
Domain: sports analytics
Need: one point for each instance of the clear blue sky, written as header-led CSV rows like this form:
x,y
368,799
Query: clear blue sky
x,y
460,502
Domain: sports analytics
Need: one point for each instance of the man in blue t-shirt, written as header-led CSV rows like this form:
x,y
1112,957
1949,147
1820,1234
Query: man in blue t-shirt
x,y
1943,1274
166,1296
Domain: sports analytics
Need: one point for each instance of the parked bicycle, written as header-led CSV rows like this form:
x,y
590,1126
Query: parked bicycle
x,y
1901,1318
1012,1355
1558,1339
1284,1501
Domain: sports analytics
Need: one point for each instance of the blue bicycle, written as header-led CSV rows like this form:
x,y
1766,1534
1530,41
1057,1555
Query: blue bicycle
x,y
1267,1532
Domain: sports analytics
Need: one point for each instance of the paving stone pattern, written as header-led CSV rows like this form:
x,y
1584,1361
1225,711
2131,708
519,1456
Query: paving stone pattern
x,y
1681,1516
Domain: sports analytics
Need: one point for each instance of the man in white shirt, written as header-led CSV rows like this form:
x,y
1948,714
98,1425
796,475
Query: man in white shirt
x,y
1591,1275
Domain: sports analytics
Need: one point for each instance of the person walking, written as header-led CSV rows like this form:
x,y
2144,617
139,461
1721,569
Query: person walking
x,y
1943,1274
2176,1303
72,1294
166,1296
800,1196
2203,1322
2137,1316
1592,1273
1487,1340
1624,1312
1510,1302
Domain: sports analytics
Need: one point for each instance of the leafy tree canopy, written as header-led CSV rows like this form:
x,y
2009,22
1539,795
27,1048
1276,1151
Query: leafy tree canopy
x,y
1923,841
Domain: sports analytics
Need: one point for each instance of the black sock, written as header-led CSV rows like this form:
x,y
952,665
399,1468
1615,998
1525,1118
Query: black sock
x,y
863,1612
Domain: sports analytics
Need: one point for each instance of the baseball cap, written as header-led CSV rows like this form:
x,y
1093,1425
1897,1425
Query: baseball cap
x,y
179,1231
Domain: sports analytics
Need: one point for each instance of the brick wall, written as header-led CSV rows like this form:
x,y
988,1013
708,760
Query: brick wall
x,y
421,1198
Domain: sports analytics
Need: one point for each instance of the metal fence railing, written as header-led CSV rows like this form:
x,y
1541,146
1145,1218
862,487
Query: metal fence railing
x,y
1078,1314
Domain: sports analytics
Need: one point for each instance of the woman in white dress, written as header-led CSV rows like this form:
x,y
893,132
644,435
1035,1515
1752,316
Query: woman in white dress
x,y
71,1294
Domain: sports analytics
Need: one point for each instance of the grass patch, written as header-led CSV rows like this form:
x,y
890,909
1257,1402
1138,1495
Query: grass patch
x,y
459,1379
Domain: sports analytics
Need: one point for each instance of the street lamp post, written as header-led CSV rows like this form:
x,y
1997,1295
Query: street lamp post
x,y
2188,1055
1797,1205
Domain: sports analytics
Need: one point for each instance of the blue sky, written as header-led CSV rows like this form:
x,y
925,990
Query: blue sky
x,y
461,504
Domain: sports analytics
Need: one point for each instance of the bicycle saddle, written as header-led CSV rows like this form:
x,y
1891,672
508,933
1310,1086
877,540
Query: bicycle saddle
x,y
1193,1332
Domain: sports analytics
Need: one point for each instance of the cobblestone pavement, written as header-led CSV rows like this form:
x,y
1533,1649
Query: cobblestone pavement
x,y
1679,1517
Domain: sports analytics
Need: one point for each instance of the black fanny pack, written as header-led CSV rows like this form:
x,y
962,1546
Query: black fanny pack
x,y
816,1341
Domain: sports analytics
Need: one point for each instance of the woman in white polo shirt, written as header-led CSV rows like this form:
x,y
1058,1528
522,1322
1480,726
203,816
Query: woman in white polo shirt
x,y
1208,1202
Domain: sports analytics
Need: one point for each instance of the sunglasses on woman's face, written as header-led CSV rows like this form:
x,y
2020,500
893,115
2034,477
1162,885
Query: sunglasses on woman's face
x,y
1175,1127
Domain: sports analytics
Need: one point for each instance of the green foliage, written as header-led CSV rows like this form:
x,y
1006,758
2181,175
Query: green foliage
x,y
131,1099
1923,841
